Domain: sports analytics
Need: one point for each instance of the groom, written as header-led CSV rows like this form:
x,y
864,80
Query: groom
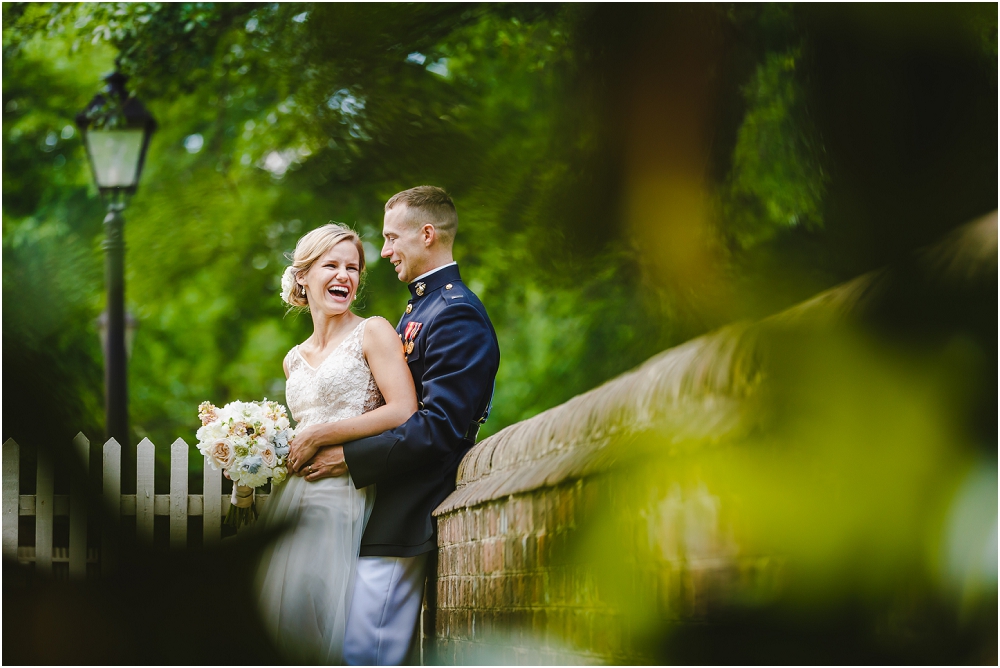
x,y
453,355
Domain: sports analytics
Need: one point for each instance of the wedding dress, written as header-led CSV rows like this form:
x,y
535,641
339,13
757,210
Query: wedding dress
x,y
307,576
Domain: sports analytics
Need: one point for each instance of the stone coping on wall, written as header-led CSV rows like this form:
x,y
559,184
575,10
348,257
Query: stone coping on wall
x,y
694,391
585,434
690,393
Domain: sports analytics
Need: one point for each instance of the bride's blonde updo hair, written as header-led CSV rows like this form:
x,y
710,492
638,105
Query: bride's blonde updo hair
x,y
311,247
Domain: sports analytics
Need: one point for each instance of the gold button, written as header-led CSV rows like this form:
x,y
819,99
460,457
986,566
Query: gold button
x,y
448,287
409,308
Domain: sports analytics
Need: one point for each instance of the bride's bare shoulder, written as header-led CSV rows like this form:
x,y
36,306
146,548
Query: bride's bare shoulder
x,y
379,335
379,325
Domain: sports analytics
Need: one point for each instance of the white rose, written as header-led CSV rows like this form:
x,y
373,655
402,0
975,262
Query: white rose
x,y
287,284
278,475
212,431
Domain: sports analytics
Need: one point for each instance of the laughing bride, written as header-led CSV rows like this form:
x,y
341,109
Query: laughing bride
x,y
349,379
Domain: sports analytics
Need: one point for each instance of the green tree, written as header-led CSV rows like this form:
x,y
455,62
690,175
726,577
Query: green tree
x,y
276,118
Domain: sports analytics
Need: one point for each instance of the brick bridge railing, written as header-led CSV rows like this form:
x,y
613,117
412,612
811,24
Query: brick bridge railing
x,y
517,580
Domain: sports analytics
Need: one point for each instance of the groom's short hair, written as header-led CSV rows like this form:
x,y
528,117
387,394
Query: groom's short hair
x,y
430,204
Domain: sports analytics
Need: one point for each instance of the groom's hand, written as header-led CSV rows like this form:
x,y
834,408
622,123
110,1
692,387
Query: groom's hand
x,y
328,463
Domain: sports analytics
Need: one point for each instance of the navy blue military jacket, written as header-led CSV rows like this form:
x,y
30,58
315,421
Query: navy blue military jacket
x,y
453,355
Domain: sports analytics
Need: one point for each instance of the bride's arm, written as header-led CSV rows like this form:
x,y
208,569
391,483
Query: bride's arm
x,y
384,354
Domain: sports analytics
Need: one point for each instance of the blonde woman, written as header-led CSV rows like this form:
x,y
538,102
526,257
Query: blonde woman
x,y
348,380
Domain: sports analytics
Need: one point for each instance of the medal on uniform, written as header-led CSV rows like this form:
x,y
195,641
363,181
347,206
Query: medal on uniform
x,y
410,335
412,328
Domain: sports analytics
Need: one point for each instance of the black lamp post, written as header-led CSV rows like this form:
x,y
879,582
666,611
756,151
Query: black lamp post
x,y
131,324
116,129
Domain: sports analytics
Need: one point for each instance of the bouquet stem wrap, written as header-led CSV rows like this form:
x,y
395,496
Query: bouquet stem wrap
x,y
241,507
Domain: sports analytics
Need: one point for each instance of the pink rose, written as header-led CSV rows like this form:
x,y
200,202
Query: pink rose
x,y
221,450
267,454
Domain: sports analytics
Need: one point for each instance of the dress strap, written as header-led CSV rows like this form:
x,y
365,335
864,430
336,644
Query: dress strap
x,y
292,359
355,338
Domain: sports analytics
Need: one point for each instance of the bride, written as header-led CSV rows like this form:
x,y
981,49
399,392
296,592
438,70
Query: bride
x,y
349,379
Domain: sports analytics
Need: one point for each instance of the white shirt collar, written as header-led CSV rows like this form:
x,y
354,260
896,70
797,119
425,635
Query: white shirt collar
x,y
426,274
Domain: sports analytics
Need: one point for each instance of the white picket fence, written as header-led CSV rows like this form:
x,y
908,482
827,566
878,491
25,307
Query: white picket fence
x,y
212,505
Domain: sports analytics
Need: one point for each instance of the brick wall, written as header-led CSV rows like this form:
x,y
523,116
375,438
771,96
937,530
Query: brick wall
x,y
556,546
508,590
583,534
524,579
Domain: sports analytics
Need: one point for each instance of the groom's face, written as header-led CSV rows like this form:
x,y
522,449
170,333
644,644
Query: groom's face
x,y
406,243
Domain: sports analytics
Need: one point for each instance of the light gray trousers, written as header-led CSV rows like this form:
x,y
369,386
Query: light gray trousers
x,y
385,610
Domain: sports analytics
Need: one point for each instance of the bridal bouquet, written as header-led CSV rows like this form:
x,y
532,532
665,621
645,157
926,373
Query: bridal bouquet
x,y
249,441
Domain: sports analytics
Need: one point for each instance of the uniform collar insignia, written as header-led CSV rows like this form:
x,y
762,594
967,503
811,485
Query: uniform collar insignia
x,y
435,281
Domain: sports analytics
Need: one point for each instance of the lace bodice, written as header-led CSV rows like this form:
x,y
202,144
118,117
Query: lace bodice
x,y
341,386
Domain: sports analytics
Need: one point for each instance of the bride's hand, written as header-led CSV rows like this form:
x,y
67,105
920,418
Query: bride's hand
x,y
302,448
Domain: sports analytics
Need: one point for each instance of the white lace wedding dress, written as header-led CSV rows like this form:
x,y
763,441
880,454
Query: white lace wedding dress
x,y
306,578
